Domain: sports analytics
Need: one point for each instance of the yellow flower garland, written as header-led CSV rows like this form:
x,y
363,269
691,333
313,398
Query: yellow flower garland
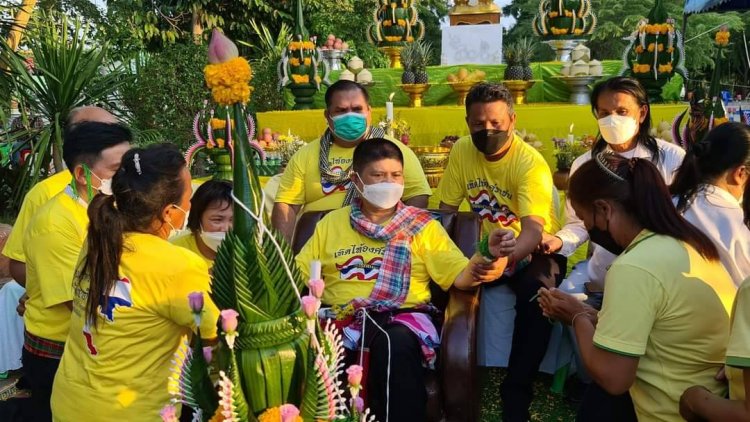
x,y
229,81
722,38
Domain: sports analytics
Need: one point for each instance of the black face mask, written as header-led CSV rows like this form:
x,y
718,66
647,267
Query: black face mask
x,y
604,239
490,141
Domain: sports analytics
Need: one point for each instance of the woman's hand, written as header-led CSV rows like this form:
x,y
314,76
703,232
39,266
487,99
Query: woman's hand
x,y
502,242
560,306
483,271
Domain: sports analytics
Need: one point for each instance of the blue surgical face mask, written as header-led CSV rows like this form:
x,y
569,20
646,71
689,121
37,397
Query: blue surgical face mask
x,y
349,127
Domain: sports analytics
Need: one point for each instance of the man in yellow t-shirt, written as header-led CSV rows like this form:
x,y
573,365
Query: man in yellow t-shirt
x,y
314,184
52,243
508,185
41,193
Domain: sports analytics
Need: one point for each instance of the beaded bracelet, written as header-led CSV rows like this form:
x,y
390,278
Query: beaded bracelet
x,y
483,247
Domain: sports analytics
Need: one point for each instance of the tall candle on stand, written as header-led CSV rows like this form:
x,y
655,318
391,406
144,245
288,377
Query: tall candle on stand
x,y
389,113
571,137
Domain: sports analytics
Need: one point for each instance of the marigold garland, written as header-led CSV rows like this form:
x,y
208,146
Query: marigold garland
x,y
229,81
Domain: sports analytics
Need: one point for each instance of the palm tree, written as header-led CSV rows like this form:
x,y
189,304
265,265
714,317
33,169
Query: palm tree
x,y
69,70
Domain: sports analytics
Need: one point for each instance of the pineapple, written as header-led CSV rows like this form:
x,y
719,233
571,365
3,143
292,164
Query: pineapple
x,y
422,58
514,70
525,54
407,61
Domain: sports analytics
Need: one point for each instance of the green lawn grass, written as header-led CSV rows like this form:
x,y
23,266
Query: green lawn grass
x,y
546,407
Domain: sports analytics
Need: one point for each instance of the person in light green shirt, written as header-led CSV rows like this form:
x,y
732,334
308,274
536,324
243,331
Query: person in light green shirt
x,y
664,323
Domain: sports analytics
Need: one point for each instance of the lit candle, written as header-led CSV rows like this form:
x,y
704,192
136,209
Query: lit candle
x,y
571,137
315,270
389,108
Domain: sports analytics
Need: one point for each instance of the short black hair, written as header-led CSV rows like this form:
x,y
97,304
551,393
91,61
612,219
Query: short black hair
x,y
486,92
84,141
375,149
344,85
208,193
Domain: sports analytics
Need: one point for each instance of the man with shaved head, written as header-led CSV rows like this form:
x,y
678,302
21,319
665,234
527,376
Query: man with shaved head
x,y
43,191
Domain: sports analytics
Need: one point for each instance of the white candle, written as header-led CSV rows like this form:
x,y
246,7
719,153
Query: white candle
x,y
315,270
571,137
389,107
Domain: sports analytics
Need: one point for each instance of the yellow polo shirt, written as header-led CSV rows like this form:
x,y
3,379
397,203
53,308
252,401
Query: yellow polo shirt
x,y
119,370
187,240
738,350
301,183
668,306
501,192
351,261
51,245
34,199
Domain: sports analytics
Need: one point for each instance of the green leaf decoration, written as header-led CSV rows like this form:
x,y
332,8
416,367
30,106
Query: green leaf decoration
x,y
238,395
193,384
269,363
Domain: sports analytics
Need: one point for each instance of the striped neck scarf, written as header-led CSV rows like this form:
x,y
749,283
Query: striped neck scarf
x,y
340,178
394,276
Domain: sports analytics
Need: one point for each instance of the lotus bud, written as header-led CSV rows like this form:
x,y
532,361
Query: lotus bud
x,y
289,413
229,320
310,305
208,353
168,414
359,404
221,49
317,287
354,375
196,302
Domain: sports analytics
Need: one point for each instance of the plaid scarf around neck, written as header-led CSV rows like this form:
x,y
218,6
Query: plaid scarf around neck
x,y
340,178
392,285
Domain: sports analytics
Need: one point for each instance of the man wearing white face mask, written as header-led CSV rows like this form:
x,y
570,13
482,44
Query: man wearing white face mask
x,y
379,255
621,106
318,175
52,243
209,221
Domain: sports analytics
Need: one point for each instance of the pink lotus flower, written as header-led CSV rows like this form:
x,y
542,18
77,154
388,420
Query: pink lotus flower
x,y
208,353
221,49
354,375
310,304
196,302
229,320
317,287
289,413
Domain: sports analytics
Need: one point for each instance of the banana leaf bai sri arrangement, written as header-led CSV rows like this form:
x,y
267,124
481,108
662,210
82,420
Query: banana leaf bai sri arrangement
x,y
274,361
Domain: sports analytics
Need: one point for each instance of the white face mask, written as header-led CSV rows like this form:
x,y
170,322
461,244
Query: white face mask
x,y
175,231
616,129
212,239
383,195
105,185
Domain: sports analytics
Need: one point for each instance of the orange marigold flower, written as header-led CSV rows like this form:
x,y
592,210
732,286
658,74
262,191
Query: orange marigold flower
x,y
308,61
218,124
639,49
294,61
665,68
301,79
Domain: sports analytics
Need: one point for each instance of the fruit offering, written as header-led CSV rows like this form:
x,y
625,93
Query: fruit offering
x,y
463,75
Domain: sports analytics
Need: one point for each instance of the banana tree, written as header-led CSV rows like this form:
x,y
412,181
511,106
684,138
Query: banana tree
x,y
69,70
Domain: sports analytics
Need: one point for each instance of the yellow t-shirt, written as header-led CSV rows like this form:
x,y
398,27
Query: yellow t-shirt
x,y
668,306
34,199
738,350
119,370
52,243
301,183
500,192
351,261
187,240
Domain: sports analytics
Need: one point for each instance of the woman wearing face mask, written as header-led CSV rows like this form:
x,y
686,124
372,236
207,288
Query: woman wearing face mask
x,y
130,295
664,325
378,257
710,189
209,220
623,114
